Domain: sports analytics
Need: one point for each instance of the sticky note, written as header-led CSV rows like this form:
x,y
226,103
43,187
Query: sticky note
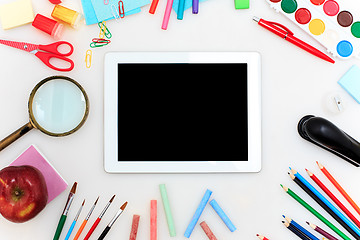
x,y
350,81
54,182
242,4
16,14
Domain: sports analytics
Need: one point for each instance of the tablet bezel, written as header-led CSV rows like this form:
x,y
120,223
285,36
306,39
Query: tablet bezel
x,y
111,163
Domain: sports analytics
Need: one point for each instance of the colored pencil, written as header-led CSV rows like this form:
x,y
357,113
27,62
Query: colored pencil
x,y
98,219
294,230
108,227
306,232
85,220
74,222
322,231
315,213
326,205
339,188
332,196
134,227
207,231
261,237
65,212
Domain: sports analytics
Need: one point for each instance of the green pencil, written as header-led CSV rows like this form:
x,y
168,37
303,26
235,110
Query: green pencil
x,y
316,214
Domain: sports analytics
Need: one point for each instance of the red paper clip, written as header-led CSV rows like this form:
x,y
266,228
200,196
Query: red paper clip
x,y
100,40
106,2
121,9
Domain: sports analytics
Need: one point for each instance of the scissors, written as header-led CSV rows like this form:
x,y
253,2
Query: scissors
x,y
45,52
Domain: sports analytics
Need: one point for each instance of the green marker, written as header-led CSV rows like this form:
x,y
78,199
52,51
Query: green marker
x,y
242,4
169,218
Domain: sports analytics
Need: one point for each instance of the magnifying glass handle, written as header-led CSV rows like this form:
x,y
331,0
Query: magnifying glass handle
x,y
15,135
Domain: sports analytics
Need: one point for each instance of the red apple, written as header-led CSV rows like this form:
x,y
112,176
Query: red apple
x,y
23,193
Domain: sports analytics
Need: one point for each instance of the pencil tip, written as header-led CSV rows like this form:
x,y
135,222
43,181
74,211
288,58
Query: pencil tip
x,y
96,200
123,206
73,189
83,203
257,235
112,198
308,223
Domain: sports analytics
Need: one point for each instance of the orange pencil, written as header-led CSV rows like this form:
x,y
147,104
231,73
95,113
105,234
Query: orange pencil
x,y
85,221
337,185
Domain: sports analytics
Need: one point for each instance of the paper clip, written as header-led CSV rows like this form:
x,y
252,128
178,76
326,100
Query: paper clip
x,y
104,29
121,9
114,12
102,33
106,2
88,58
99,42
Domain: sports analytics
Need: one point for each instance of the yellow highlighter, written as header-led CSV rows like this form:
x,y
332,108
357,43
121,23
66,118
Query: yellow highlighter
x,y
66,15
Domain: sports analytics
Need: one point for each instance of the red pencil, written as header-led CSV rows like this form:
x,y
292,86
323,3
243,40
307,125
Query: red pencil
x,y
339,188
287,35
262,237
98,219
327,191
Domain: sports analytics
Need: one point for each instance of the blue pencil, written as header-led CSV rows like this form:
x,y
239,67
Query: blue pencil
x,y
222,215
181,8
326,202
74,222
306,232
198,213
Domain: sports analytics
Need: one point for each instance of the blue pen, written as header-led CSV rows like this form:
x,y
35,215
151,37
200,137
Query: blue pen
x,y
74,222
301,228
327,203
222,215
198,213
181,8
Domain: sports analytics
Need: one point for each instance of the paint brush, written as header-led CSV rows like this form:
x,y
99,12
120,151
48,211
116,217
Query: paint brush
x,y
74,222
117,215
98,219
85,220
65,212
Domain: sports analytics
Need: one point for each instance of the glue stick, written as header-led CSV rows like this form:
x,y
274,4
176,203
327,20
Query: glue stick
x,y
48,25
66,15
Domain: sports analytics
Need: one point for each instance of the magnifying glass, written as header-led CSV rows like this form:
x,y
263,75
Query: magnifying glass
x,y
58,106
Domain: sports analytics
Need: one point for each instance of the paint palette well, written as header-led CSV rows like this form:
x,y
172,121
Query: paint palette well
x,y
330,23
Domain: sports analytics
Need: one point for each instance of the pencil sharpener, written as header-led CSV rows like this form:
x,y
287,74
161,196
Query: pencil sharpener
x,y
326,135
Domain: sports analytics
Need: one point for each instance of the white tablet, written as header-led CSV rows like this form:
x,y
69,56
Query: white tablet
x,y
182,112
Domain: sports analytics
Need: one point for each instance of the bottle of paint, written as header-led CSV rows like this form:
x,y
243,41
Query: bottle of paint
x,y
48,25
66,15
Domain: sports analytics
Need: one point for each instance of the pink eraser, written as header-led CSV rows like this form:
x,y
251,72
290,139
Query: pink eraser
x,y
54,182
153,219
207,231
134,227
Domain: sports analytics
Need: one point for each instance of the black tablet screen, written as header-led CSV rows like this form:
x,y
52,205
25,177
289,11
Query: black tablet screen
x,y
182,112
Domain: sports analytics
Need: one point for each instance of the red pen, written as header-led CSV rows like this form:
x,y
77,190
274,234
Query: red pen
x,y
98,219
286,34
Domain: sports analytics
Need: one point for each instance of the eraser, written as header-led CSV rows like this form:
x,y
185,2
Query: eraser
x,y
242,4
16,14
350,81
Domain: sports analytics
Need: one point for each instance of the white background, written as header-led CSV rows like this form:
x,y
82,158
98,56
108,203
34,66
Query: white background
x,y
295,84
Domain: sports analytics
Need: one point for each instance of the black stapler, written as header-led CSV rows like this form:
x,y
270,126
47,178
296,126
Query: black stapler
x,y
326,135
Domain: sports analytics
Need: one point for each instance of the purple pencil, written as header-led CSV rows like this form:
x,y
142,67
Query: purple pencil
x,y
322,231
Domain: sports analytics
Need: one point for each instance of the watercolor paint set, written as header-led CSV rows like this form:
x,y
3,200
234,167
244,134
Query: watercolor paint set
x,y
331,23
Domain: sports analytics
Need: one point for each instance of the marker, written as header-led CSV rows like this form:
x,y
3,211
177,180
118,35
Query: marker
x,y
286,34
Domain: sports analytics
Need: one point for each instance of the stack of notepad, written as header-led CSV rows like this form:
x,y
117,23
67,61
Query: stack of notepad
x,y
96,11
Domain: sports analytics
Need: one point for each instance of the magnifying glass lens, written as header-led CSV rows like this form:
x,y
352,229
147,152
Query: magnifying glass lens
x,y
58,106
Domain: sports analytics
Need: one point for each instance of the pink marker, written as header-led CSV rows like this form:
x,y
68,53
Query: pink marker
x,y
153,220
167,14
